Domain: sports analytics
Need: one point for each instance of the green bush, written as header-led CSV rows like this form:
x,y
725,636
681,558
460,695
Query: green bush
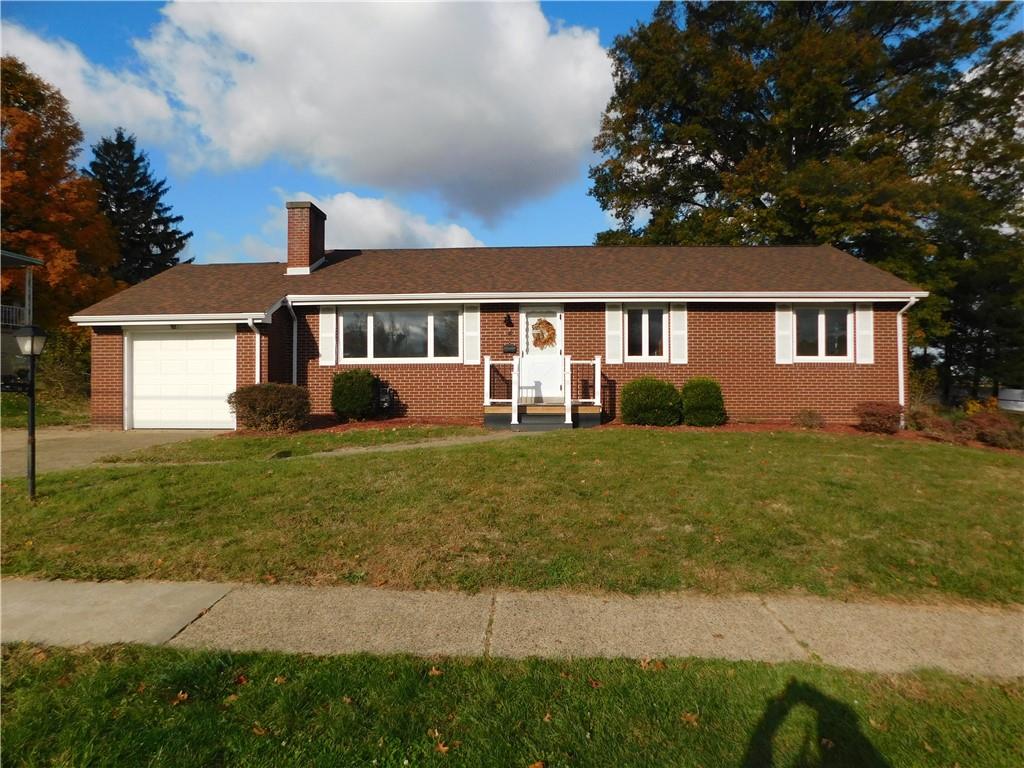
x,y
354,394
703,405
270,407
651,401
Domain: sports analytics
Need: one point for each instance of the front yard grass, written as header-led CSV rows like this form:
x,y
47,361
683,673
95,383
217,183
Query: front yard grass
x,y
612,509
158,706
230,447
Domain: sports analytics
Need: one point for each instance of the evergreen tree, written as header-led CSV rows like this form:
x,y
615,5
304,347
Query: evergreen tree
x,y
893,130
147,233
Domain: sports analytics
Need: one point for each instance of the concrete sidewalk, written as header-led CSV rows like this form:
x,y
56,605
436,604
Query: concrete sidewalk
x,y
877,637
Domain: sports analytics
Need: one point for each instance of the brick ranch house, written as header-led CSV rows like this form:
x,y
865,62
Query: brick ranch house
x,y
456,332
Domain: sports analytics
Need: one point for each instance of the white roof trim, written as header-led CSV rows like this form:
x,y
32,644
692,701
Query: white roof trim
x,y
193,319
761,297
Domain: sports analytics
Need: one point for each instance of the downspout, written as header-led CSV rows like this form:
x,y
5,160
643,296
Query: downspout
x,y
900,352
295,341
256,340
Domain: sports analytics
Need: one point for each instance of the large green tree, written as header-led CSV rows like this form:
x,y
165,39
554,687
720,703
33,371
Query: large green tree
x,y
148,235
892,130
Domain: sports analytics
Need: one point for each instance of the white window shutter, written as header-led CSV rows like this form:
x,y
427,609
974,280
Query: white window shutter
x,y
471,334
783,334
328,335
865,321
613,333
678,347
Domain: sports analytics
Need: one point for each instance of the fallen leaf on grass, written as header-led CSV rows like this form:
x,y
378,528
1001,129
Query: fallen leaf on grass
x,y
231,697
182,696
141,688
346,699
259,730
538,764
655,664
877,725
441,747
928,747
435,672
547,717
280,680
692,719
270,578
241,680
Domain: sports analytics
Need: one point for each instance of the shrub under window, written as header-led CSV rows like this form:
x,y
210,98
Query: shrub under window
x,y
354,394
879,417
703,404
270,407
652,402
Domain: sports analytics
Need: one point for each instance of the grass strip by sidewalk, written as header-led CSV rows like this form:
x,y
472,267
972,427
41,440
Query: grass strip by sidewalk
x,y
232,448
618,510
158,706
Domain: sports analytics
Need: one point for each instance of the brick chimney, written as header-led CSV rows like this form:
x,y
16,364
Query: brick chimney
x,y
305,237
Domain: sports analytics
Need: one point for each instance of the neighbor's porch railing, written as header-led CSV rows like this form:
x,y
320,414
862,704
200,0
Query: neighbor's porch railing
x,y
12,315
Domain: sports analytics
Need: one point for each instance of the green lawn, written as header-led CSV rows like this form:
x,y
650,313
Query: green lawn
x,y
14,411
157,706
230,447
621,510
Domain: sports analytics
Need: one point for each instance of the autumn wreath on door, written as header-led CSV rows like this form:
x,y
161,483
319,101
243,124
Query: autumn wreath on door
x,y
543,334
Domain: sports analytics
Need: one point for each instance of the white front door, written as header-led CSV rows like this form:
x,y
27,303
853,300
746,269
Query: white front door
x,y
542,364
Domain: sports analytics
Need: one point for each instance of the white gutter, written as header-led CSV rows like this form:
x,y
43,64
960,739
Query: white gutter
x,y
256,337
577,297
186,319
900,353
295,342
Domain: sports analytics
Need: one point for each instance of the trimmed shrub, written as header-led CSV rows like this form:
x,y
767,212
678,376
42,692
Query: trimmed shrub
x,y
808,419
703,405
878,417
354,394
998,429
651,401
270,407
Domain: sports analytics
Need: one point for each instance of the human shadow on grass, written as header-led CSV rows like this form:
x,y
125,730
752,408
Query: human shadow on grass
x,y
838,740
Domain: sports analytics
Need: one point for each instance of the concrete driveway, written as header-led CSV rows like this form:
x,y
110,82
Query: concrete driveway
x,y
71,447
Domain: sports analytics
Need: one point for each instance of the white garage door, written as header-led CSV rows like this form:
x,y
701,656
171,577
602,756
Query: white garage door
x,y
181,379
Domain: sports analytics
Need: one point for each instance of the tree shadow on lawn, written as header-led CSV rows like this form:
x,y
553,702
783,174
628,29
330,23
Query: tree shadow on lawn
x,y
837,741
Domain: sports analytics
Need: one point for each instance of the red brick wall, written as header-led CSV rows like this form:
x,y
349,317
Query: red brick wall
x,y
279,347
245,354
733,343
106,405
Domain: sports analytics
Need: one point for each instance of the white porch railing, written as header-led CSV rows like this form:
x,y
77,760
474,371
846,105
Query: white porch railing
x,y
513,400
567,380
12,315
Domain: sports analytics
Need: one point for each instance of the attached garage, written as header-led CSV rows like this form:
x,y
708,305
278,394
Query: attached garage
x,y
179,379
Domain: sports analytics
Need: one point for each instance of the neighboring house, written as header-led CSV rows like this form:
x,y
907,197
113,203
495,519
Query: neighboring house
x,y
452,330
15,311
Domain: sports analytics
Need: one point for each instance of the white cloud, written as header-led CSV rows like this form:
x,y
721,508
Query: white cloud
x,y
352,222
486,105
100,99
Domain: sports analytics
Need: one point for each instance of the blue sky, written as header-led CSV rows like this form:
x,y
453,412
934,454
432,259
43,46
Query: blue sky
x,y
416,126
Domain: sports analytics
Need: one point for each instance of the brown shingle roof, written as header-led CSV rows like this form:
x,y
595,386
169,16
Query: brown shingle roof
x,y
230,288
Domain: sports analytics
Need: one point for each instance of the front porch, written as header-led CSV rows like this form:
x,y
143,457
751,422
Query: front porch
x,y
512,401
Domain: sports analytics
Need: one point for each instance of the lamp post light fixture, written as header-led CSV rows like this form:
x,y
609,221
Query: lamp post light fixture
x,y
31,340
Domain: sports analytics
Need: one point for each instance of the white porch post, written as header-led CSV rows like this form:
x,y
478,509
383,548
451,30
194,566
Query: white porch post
x,y
515,389
487,379
568,389
597,380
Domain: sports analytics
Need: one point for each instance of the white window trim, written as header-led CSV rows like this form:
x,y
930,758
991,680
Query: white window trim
x,y
821,357
645,334
371,360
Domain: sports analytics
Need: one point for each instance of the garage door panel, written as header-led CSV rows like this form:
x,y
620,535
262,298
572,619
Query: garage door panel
x,y
181,379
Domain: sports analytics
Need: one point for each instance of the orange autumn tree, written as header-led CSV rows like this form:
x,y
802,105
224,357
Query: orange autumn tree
x,y
49,210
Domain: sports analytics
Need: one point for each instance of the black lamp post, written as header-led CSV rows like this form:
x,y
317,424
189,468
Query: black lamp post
x,y
31,340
